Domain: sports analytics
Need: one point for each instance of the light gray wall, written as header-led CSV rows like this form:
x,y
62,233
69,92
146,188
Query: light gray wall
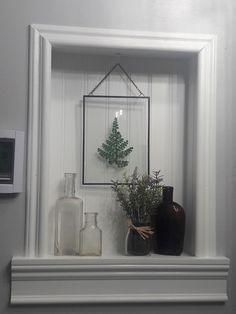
x,y
202,16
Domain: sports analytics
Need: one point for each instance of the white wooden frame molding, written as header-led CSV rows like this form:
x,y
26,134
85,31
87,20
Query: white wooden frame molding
x,y
127,279
37,278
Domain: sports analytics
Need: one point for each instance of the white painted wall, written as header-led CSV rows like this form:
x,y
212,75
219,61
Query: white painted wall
x,y
211,16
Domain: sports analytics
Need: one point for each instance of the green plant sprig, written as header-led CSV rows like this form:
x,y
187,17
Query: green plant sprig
x,y
115,149
138,195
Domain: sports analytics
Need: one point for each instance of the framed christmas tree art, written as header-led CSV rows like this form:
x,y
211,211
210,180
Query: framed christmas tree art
x,y
115,131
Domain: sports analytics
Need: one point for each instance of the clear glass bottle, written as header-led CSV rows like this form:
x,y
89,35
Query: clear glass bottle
x,y
90,236
69,219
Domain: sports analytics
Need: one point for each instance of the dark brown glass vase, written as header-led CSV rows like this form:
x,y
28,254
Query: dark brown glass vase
x,y
168,223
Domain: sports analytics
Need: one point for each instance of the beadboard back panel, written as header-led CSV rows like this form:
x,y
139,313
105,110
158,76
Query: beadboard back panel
x,y
165,81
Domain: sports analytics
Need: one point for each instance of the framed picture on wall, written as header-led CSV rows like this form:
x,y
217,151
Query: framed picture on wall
x,y
116,135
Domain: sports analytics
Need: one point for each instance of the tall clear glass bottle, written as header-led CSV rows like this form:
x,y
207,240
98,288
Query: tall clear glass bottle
x,y
90,236
69,219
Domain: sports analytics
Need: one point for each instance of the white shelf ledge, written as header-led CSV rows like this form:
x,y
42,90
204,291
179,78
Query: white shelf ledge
x,y
115,280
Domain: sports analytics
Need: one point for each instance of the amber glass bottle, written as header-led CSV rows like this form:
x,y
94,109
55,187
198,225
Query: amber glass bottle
x,y
168,223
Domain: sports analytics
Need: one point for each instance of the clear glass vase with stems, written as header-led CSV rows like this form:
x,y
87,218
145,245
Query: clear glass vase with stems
x,y
69,219
90,237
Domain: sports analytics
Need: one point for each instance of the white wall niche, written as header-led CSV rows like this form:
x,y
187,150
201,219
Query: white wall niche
x,y
201,270
165,80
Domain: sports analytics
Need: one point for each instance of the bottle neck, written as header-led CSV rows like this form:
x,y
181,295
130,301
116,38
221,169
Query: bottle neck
x,y
167,195
69,190
91,219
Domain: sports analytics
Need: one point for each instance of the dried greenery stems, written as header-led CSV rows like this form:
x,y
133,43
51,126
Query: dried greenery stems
x,y
114,150
138,195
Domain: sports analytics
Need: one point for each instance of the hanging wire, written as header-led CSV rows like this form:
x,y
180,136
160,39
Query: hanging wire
x,y
117,65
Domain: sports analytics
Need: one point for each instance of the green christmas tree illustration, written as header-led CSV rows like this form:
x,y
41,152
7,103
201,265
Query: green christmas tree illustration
x,y
114,150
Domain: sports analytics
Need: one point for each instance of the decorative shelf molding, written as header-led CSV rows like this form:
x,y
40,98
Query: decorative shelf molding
x,y
111,280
